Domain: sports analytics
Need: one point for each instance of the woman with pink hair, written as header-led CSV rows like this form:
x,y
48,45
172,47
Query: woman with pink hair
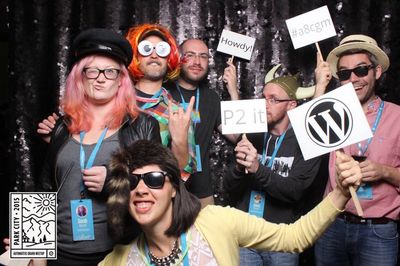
x,y
101,116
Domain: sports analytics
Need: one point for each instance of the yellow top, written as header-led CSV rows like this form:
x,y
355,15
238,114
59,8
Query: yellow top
x,y
226,229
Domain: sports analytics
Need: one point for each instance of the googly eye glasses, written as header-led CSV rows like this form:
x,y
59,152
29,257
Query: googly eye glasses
x,y
145,48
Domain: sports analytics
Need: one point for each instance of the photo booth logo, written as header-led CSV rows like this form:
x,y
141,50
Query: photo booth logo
x,y
33,227
329,122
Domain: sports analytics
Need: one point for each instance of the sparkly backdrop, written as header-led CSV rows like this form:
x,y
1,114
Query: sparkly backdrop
x,y
41,32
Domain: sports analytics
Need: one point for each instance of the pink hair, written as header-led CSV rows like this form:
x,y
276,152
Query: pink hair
x,y
75,101
134,36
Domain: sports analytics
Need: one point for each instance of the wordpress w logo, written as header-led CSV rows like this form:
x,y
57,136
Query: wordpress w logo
x,y
329,122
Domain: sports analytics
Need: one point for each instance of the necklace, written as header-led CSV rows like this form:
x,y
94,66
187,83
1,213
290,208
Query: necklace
x,y
167,260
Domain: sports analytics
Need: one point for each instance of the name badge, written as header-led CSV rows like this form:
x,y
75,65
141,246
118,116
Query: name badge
x,y
198,159
257,203
195,115
365,191
82,220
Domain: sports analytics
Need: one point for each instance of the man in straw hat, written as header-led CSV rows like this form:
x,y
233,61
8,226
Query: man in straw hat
x,y
278,178
371,239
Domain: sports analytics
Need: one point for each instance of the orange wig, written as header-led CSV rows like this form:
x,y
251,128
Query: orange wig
x,y
135,35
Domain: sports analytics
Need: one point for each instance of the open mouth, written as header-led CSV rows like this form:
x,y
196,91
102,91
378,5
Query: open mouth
x,y
143,206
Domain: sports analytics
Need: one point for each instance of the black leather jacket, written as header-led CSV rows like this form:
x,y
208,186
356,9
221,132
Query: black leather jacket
x,y
143,127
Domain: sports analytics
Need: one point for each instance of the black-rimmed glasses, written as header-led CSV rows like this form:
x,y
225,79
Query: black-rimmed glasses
x,y
154,180
94,73
360,71
276,101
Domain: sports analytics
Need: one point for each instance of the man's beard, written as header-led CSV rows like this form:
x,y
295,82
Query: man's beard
x,y
191,79
155,76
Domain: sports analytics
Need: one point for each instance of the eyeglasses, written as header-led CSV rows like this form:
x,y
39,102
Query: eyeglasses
x,y
191,56
360,71
153,180
276,101
145,48
94,73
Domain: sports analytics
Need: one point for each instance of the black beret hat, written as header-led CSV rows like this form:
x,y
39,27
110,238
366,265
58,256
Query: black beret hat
x,y
102,41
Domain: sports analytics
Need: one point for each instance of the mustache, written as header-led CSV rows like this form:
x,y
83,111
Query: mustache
x,y
153,61
196,67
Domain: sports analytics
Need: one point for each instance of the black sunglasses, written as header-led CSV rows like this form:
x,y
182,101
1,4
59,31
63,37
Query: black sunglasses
x,y
153,180
360,71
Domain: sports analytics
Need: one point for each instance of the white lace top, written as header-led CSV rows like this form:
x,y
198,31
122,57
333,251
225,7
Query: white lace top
x,y
199,252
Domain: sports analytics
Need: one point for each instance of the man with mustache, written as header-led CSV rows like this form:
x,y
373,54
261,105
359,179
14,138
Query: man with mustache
x,y
156,59
206,112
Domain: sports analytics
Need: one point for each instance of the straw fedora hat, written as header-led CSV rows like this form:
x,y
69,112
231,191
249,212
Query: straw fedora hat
x,y
357,41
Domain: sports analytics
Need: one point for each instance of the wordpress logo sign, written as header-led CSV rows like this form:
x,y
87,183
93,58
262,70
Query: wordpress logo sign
x,y
329,122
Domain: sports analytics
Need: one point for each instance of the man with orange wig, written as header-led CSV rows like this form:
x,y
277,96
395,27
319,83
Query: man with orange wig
x,y
156,60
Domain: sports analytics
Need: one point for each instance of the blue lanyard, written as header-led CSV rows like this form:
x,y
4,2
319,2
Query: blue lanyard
x,y
277,146
92,156
377,119
147,105
197,98
184,249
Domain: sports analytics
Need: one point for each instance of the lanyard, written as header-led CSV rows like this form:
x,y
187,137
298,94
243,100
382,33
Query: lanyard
x,y
184,258
149,102
92,155
197,99
277,146
377,119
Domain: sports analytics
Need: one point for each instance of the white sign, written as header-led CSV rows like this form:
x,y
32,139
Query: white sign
x,y
327,123
236,44
244,116
311,27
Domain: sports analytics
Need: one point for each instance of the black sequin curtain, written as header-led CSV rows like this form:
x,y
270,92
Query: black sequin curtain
x,y
41,32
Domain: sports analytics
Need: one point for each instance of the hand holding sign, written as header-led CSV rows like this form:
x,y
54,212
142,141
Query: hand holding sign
x,y
322,77
230,79
246,155
347,167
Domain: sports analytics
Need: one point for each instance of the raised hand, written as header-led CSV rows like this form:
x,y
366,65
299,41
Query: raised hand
x,y
178,125
322,76
230,79
46,127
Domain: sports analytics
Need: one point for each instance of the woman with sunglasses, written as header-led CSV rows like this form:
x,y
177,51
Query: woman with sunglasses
x,y
100,117
145,191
